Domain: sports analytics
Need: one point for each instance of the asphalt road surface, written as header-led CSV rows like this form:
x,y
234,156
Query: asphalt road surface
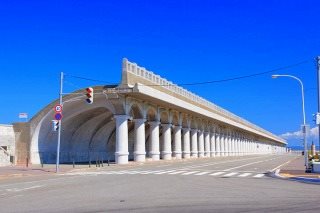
x,y
226,184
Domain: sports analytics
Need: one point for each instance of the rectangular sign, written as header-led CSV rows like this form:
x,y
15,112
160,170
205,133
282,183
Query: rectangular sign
x,y
118,90
23,115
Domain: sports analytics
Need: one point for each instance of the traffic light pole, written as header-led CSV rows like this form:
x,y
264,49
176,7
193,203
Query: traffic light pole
x,y
59,130
318,78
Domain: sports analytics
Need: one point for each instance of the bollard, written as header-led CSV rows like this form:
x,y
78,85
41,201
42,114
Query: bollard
x,y
41,164
108,162
102,163
27,163
96,163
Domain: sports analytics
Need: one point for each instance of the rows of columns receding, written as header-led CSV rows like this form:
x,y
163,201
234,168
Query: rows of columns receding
x,y
187,142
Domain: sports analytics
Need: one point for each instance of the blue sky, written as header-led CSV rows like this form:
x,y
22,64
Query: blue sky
x,y
183,41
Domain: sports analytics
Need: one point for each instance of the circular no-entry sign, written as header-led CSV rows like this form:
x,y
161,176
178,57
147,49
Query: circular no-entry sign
x,y
58,108
58,116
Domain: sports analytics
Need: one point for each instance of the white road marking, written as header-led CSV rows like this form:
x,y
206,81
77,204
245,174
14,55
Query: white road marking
x,y
230,174
145,172
160,173
258,176
274,169
216,163
244,175
189,173
152,172
247,164
23,189
202,173
174,173
217,173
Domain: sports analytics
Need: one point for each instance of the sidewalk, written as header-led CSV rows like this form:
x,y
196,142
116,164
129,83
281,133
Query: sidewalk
x,y
36,170
295,170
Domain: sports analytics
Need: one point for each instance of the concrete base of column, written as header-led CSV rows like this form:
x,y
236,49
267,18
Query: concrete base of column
x,y
155,156
207,154
201,154
121,158
177,155
166,155
194,154
186,155
212,154
217,154
140,157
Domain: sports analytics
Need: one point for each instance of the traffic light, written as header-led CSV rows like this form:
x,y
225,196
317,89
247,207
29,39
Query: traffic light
x,y
55,125
89,94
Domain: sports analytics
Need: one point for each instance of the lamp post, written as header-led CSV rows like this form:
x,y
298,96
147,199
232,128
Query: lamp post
x,y
304,126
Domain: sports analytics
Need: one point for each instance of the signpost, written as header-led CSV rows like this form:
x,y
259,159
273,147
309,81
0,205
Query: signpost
x,y
58,116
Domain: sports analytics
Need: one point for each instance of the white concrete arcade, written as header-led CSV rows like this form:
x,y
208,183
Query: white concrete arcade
x,y
144,118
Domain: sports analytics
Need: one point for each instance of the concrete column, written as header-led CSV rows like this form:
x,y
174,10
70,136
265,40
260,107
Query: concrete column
x,y
154,138
241,146
227,144
140,140
207,144
246,146
177,142
218,145
200,144
166,132
186,142
236,145
222,144
194,143
121,154
233,148
212,145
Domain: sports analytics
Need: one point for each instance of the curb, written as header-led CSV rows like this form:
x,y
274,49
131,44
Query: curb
x,y
276,174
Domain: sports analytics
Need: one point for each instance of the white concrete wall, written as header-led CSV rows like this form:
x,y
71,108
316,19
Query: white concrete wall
x,y
7,139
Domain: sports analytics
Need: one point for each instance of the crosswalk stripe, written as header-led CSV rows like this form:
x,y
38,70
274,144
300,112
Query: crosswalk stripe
x,y
174,173
160,173
189,173
244,175
217,173
145,172
230,174
132,172
202,173
153,172
258,176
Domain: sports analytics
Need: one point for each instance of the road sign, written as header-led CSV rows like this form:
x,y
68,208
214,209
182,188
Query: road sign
x,y
58,108
23,115
58,116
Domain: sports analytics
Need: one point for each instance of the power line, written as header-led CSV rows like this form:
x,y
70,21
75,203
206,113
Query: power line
x,y
239,77
88,79
206,82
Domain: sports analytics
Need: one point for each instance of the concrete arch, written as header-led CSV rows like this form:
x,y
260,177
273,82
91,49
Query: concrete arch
x,y
43,140
152,113
165,116
135,110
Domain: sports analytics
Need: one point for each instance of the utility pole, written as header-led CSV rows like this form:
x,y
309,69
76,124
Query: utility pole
x,y
59,130
318,113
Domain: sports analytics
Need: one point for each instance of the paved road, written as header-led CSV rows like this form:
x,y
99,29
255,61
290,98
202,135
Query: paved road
x,y
228,184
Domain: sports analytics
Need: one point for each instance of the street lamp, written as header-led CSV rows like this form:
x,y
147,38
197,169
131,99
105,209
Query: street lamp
x,y
304,126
